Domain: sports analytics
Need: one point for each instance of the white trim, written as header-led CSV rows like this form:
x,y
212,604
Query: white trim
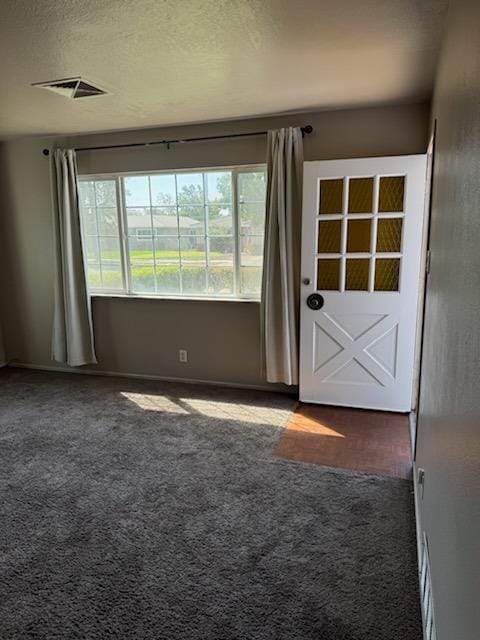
x,y
144,376
161,296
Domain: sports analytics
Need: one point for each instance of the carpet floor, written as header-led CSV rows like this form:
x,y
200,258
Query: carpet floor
x,y
152,511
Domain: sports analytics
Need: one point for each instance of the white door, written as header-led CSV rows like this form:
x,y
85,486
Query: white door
x,y
361,246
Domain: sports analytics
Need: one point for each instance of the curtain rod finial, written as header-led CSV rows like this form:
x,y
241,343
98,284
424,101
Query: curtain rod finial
x,y
46,152
307,129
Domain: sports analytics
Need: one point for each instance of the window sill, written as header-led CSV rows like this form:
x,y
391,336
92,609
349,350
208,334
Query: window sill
x,y
143,296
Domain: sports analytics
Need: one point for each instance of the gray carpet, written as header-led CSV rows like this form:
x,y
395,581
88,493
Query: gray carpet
x,y
139,510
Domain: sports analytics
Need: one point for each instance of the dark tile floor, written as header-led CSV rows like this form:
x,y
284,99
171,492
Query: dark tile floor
x,y
370,441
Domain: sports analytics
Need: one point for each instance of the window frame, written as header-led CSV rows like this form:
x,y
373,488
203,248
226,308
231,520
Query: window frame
x,y
127,291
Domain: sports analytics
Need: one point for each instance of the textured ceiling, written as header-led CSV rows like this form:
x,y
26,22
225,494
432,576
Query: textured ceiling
x,y
178,61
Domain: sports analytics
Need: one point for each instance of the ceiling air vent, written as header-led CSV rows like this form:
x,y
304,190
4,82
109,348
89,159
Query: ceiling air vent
x,y
72,88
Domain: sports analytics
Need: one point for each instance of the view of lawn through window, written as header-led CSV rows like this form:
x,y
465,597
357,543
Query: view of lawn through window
x,y
195,233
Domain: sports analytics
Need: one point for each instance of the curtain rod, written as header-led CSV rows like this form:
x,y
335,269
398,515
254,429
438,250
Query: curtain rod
x,y
307,129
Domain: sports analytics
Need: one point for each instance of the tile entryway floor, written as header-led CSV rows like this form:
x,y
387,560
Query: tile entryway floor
x,y
369,441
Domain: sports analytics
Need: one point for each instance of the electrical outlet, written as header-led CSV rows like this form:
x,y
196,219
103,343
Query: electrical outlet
x,y
182,355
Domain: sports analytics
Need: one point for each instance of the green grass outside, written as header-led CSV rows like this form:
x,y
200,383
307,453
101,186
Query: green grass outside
x,y
142,256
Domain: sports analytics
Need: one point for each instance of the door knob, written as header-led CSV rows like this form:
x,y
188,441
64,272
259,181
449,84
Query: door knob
x,y
306,281
315,301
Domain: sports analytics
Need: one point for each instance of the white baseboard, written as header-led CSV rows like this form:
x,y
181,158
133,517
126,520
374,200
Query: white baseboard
x,y
142,376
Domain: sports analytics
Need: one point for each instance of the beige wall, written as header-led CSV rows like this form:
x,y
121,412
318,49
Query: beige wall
x,y
448,445
143,336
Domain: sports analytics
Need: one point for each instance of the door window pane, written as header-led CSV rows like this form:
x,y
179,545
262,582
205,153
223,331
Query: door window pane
x,y
356,274
391,194
389,234
387,273
331,196
358,236
360,195
330,236
328,274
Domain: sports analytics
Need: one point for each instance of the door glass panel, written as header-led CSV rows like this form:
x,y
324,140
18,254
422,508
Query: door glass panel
x,y
360,195
356,275
391,193
330,236
331,196
387,272
328,274
358,236
389,234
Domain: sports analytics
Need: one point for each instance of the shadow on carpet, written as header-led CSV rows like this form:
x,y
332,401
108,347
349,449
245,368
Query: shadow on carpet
x,y
156,511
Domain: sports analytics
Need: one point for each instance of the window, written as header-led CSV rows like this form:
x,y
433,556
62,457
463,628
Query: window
x,y
189,233
146,234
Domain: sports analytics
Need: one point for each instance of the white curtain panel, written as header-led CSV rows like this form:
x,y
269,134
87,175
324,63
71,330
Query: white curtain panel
x,y
72,338
281,274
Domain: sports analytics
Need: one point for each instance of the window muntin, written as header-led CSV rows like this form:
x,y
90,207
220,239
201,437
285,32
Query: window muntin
x,y
181,234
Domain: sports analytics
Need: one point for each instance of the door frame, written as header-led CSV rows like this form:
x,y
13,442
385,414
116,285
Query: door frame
x,y
422,301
